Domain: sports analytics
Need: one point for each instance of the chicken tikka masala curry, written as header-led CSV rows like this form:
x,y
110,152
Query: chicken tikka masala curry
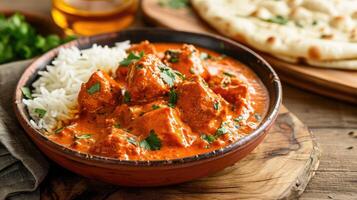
x,y
165,101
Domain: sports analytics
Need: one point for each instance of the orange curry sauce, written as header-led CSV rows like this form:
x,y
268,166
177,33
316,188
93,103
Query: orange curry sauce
x,y
165,101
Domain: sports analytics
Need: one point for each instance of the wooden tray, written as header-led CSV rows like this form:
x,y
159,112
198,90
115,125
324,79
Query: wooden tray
x,y
279,168
340,84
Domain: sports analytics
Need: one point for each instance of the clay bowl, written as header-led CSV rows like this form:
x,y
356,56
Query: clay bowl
x,y
158,172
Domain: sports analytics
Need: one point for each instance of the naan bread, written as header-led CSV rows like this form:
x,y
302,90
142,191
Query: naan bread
x,y
320,32
335,64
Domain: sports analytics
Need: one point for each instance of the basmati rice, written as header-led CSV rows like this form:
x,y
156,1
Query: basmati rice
x,y
57,88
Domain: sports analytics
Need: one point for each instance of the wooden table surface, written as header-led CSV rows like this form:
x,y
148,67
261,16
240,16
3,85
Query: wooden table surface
x,y
334,124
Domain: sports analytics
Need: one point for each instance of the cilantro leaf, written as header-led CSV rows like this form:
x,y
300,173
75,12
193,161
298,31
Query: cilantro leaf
x,y
208,138
26,92
131,58
179,75
174,4
59,130
41,112
205,56
174,56
145,145
216,105
168,75
94,88
221,130
84,136
127,97
152,142
172,98
132,141
257,116
228,74
155,107
238,119
278,20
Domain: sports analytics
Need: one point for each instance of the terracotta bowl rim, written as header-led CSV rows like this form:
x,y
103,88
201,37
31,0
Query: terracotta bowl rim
x,y
31,71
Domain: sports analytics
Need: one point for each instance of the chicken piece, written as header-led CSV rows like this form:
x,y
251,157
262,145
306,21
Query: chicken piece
x,y
100,91
121,74
186,60
118,144
124,114
201,108
145,80
165,122
143,46
232,90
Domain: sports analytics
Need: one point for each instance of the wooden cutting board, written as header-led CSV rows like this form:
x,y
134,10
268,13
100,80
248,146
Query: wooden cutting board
x,y
340,84
279,168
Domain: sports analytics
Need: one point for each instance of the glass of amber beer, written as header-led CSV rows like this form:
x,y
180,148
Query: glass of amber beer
x,y
91,17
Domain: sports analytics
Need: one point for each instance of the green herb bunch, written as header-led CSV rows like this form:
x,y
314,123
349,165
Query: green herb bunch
x,y
19,40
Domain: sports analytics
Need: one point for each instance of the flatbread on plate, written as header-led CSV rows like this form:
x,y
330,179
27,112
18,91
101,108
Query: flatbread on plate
x,y
321,32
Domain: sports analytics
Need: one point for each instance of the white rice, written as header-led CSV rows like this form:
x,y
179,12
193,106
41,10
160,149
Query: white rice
x,y
57,88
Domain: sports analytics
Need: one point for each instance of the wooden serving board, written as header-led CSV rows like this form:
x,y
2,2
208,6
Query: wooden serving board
x,y
340,84
279,168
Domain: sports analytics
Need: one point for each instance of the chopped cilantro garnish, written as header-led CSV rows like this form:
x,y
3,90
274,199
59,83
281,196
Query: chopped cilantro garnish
x,y
152,142
94,88
132,141
59,130
278,20
172,98
175,4
238,119
180,75
41,112
131,58
314,23
84,136
174,60
26,92
216,105
127,97
139,66
168,77
205,56
117,125
145,145
221,131
208,138
228,74
174,56
257,116
154,107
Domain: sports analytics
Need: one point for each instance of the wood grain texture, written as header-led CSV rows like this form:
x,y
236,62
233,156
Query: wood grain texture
x,y
279,168
340,84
